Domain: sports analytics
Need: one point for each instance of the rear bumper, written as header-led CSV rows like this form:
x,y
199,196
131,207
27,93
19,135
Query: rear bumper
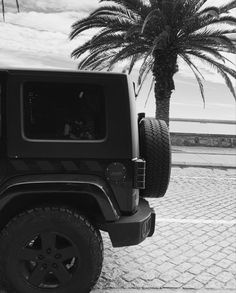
x,y
131,230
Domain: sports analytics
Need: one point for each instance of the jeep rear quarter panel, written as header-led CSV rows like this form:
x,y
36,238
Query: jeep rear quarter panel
x,y
121,140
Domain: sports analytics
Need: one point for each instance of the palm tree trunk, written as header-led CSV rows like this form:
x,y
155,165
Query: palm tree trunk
x,y
3,10
163,91
17,5
162,109
165,66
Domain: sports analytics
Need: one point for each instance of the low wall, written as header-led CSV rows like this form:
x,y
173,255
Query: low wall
x,y
208,140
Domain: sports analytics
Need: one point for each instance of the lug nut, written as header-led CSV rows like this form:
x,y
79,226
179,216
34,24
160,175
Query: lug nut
x,y
54,266
49,250
58,255
45,266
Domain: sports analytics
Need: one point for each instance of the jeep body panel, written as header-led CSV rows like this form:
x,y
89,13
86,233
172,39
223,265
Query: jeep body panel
x,y
67,183
134,229
107,169
124,192
20,156
118,144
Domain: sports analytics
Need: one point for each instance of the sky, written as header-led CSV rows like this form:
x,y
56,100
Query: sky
x,y
37,37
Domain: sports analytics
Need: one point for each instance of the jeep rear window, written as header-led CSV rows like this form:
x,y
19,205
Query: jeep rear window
x,y
64,111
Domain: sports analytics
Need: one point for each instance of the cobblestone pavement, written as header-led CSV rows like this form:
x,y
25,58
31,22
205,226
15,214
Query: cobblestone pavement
x,y
194,246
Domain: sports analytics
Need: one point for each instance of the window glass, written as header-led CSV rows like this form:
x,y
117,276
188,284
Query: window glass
x,y
57,111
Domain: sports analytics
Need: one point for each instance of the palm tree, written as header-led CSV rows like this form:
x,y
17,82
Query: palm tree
x,y
159,33
3,8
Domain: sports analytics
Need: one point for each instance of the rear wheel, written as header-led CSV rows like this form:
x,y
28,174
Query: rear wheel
x,y
53,250
156,150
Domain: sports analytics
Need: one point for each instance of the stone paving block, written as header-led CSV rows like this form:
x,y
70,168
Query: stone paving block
x,y
232,268
143,259
173,253
204,277
166,266
139,253
215,284
195,260
156,283
156,253
138,283
183,267
186,252
149,276
205,253
132,275
207,262
148,266
196,269
224,277
170,247
185,278
214,270
172,285
131,266
231,284
193,284
224,263
209,242
160,260
215,248
169,275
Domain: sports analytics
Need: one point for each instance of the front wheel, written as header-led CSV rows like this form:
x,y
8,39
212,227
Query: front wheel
x,y
50,250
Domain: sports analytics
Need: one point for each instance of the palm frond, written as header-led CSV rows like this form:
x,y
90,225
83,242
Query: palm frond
x,y
126,52
146,66
157,31
220,68
228,82
200,4
105,42
133,31
212,62
110,21
149,92
114,10
196,72
208,50
211,11
154,14
197,23
225,8
137,6
134,59
212,40
99,61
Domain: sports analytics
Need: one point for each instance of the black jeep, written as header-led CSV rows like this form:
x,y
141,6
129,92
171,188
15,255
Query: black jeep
x,y
75,158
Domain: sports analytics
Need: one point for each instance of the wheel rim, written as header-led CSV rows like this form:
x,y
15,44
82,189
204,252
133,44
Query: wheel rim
x,y
48,260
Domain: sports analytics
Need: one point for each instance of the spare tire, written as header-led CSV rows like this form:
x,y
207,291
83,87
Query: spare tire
x,y
155,148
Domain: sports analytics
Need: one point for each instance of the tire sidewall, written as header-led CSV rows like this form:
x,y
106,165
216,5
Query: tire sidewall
x,y
22,230
155,148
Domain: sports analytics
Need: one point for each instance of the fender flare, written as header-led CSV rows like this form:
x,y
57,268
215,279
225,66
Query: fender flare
x,y
62,183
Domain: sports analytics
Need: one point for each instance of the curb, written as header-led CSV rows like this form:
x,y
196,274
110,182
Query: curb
x,y
202,165
163,291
